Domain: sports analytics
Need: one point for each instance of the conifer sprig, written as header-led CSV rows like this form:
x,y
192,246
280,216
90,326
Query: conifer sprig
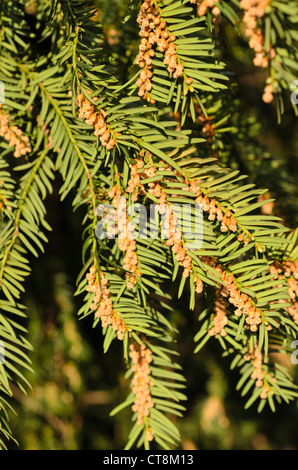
x,y
163,135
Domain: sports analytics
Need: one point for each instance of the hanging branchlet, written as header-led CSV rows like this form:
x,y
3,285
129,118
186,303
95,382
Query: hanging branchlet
x,y
214,210
254,11
169,227
259,375
154,31
4,201
242,303
220,319
288,270
204,5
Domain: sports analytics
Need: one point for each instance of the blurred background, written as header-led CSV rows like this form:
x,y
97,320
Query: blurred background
x,y
75,386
